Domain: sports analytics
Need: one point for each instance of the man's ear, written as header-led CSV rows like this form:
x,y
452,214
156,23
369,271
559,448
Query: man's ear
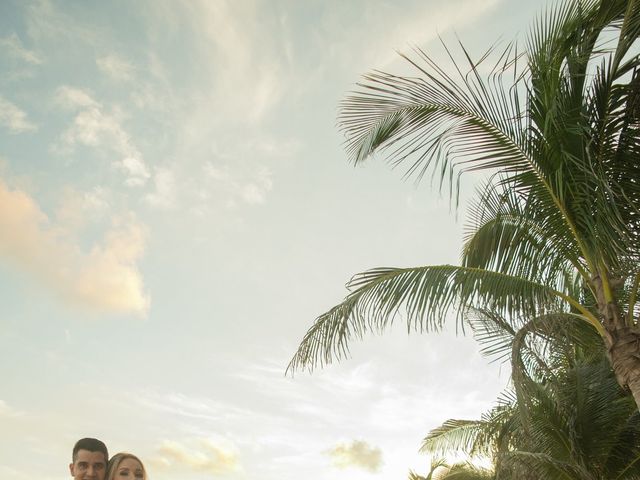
x,y
71,468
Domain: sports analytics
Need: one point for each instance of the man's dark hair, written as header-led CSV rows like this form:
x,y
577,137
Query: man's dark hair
x,y
92,445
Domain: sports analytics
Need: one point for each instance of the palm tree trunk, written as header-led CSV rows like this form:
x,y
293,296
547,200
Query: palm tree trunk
x,y
623,347
622,340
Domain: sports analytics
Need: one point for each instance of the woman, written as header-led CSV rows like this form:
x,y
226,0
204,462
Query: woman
x,y
125,466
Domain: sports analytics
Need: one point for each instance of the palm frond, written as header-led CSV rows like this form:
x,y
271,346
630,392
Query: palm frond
x,y
436,119
493,332
447,123
543,466
459,435
566,417
466,471
425,296
512,234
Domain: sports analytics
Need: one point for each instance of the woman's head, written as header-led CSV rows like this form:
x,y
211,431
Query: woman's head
x,y
125,466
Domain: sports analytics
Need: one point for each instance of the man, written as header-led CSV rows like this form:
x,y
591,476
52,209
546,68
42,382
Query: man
x,y
89,460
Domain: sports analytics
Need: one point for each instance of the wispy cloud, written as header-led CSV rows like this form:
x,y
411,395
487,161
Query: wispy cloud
x,y
250,189
186,407
13,46
202,454
13,118
409,30
104,279
397,27
45,24
115,67
94,126
164,194
243,71
73,98
394,412
358,454
77,208
135,169
253,429
13,474
7,411
248,72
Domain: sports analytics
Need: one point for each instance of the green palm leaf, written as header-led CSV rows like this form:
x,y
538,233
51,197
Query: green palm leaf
x,y
569,418
424,296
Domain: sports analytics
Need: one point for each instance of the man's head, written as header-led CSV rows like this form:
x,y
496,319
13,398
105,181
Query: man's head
x,y
89,459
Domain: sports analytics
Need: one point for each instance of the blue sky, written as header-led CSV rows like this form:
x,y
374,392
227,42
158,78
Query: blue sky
x,y
175,210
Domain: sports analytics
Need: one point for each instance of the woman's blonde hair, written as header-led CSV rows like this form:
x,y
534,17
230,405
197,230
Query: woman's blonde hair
x,y
117,459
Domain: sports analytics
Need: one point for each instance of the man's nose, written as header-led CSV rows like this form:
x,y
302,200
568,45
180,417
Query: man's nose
x,y
91,471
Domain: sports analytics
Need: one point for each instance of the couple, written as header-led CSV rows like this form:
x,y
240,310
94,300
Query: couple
x,y
90,461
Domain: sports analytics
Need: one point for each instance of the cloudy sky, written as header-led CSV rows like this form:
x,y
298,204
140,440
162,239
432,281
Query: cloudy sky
x,y
176,208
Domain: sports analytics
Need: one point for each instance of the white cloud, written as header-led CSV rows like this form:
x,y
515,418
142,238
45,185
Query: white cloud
x,y
46,24
94,127
411,31
115,67
276,148
249,68
216,173
398,28
254,429
13,46
136,170
164,194
182,406
395,412
13,118
9,473
153,88
104,279
245,74
255,192
203,455
73,98
108,278
357,453
250,188
7,411
77,208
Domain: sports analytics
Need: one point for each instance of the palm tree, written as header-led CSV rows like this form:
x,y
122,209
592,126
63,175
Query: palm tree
x,y
565,417
556,227
441,470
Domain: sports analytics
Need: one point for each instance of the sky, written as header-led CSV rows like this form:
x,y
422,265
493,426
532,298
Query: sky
x,y
176,208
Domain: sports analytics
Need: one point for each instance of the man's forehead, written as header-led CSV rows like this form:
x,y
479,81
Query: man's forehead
x,y
89,456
